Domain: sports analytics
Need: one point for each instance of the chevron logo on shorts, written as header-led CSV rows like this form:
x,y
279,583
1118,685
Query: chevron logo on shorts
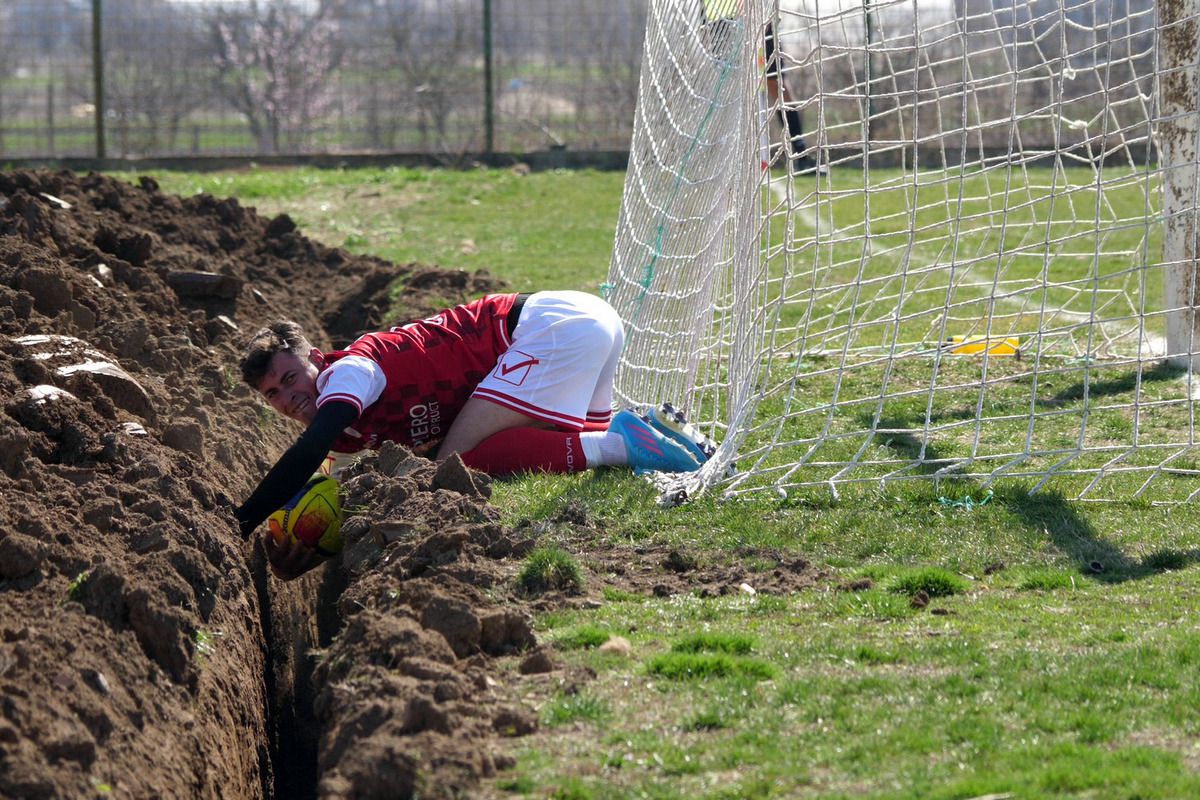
x,y
514,366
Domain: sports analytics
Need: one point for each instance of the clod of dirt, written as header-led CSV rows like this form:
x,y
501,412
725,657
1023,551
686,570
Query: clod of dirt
x,y
186,437
678,562
506,631
574,513
456,621
20,556
857,585
202,284
618,645
537,662
514,722
453,475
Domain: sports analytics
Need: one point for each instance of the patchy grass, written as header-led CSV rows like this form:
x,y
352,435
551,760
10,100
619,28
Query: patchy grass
x,y
1046,580
582,637
933,581
698,666
615,595
75,587
205,641
547,569
1166,559
732,643
714,718
580,707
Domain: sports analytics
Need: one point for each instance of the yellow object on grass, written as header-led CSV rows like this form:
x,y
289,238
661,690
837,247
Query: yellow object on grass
x,y
968,346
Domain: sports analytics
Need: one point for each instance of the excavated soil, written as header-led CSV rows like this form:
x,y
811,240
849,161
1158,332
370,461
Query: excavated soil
x,y
144,651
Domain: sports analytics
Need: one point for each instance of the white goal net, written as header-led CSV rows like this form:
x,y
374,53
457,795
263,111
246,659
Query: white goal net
x,y
864,242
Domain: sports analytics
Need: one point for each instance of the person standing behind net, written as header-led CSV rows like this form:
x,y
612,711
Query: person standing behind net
x,y
789,113
721,18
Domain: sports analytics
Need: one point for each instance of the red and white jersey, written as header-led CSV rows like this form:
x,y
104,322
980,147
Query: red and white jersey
x,y
410,383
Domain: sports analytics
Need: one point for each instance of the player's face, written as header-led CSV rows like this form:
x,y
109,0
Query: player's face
x,y
290,386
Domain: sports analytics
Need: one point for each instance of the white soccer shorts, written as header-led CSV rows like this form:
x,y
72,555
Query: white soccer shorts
x,y
560,365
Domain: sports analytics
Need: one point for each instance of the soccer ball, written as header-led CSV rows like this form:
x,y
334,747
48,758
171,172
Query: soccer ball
x,y
313,516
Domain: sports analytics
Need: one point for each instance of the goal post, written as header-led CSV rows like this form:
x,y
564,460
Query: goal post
x,y
970,256
1179,92
683,257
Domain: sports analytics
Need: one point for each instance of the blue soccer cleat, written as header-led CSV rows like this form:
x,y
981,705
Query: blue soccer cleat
x,y
671,423
649,450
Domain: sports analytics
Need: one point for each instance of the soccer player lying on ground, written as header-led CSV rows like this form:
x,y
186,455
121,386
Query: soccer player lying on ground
x,y
511,382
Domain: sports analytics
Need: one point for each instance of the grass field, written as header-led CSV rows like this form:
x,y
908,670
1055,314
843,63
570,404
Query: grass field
x,y
1026,251
958,644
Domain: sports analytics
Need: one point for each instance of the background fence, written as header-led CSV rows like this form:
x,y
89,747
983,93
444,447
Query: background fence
x,y
204,77
162,78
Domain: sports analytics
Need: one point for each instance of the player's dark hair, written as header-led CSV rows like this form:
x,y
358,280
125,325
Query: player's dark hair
x,y
280,336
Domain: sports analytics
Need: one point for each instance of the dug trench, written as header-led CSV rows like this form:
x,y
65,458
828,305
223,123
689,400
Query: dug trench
x,y
145,651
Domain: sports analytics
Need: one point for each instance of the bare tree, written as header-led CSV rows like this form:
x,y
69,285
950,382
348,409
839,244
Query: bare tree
x,y
152,82
37,40
613,49
46,26
378,104
274,63
434,45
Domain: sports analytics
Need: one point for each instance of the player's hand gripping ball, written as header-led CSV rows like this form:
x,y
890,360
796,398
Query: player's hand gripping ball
x,y
313,517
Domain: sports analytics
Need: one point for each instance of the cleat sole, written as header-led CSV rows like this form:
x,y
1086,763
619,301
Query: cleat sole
x,y
669,419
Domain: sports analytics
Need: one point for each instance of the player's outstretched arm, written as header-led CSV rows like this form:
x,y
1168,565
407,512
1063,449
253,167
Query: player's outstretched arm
x,y
287,477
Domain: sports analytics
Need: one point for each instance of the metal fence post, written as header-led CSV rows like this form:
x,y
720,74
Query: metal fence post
x,y
50,124
489,109
98,77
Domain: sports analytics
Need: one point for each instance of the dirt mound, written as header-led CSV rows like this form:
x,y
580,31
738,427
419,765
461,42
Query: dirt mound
x,y
430,674
132,643
405,697
143,649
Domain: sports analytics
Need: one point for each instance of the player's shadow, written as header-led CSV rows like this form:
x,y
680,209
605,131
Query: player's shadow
x,y
1121,385
1074,536
926,455
1049,512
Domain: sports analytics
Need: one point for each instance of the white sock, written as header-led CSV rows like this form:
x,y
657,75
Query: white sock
x,y
604,449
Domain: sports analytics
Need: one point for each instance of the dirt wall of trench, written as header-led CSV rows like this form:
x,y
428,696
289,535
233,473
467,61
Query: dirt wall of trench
x,y
136,658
